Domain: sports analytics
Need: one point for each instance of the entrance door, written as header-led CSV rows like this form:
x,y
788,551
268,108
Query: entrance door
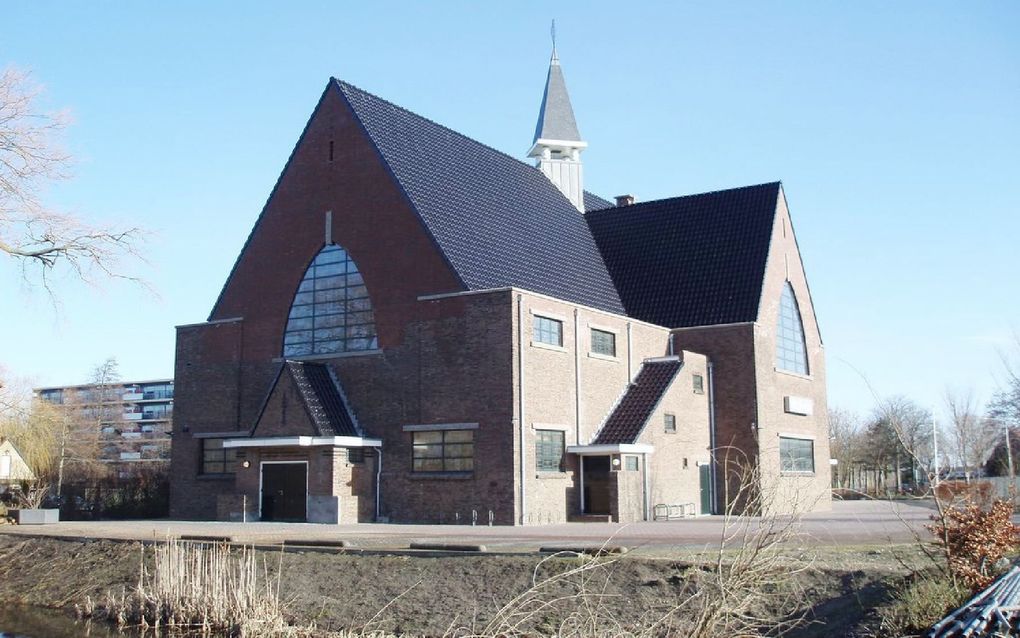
x,y
284,487
705,475
596,484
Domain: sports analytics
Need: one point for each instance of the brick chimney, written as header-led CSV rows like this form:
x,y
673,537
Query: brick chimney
x,y
624,200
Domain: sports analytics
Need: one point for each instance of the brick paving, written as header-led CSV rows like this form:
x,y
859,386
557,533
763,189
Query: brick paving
x,y
849,523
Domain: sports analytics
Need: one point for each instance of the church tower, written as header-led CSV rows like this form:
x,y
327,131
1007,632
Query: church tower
x,y
557,146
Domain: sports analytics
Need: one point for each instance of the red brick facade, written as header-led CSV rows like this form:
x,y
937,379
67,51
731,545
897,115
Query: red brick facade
x,y
446,359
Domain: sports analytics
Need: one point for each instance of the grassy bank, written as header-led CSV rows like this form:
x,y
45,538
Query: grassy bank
x,y
413,595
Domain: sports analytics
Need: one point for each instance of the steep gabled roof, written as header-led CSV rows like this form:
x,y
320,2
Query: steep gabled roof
x,y
322,398
630,415
690,261
498,221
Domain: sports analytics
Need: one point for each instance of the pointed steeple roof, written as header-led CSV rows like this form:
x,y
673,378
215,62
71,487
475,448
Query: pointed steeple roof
x,y
556,117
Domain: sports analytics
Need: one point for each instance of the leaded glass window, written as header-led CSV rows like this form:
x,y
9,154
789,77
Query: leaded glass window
x,y
549,446
331,312
791,353
603,342
546,330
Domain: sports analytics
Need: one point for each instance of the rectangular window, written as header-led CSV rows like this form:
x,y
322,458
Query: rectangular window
x,y
603,342
670,423
630,463
548,331
796,455
699,384
549,447
217,459
444,451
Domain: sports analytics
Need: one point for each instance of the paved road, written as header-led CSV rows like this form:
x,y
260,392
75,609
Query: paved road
x,y
849,523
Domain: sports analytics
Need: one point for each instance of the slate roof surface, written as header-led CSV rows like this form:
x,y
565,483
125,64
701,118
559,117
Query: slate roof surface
x,y
690,261
628,418
594,202
556,116
322,398
498,221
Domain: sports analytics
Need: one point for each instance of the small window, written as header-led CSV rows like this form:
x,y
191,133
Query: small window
x,y
630,463
796,455
444,451
603,342
217,459
699,384
549,447
548,331
670,423
685,462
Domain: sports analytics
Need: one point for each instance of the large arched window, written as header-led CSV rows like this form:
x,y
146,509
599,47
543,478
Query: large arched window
x,y
791,353
331,312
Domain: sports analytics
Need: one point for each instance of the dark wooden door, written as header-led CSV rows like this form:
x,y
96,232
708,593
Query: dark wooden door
x,y
705,474
284,487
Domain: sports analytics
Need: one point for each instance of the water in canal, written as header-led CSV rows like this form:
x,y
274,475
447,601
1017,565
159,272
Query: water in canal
x,y
34,622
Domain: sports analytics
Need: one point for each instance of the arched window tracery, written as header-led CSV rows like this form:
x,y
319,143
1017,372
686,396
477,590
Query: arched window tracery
x,y
331,312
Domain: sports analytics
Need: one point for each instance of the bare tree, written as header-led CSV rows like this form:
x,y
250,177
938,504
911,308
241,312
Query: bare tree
x,y
972,435
32,233
1005,405
846,445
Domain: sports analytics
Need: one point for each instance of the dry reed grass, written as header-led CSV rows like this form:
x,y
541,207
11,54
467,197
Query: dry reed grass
x,y
199,589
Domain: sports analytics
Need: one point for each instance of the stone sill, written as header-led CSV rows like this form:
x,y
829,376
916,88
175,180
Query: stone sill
x,y
797,375
441,476
603,357
547,346
798,474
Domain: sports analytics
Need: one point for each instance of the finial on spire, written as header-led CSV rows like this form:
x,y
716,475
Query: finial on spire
x,y
552,33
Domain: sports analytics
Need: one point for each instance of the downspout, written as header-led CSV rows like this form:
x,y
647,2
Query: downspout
x,y
630,370
646,501
711,433
520,403
378,482
577,379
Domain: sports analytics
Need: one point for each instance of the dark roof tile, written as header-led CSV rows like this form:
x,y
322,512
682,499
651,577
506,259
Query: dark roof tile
x,y
323,399
498,221
690,261
628,418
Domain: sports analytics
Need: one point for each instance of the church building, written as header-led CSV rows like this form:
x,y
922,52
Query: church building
x,y
421,328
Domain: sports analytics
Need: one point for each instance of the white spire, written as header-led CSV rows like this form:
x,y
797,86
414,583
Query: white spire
x,y
557,145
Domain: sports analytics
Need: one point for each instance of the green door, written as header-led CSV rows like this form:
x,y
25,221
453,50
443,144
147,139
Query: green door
x,y
705,473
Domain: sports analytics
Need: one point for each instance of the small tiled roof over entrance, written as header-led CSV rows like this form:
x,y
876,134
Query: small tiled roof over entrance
x,y
697,260
323,399
632,412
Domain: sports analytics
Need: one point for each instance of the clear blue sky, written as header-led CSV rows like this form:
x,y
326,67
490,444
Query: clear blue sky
x,y
895,128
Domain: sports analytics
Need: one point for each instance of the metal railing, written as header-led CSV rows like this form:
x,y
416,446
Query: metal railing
x,y
994,611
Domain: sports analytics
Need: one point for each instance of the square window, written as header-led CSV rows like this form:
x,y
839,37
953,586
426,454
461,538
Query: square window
x,y
546,330
549,448
217,459
630,463
669,423
603,342
796,455
443,451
